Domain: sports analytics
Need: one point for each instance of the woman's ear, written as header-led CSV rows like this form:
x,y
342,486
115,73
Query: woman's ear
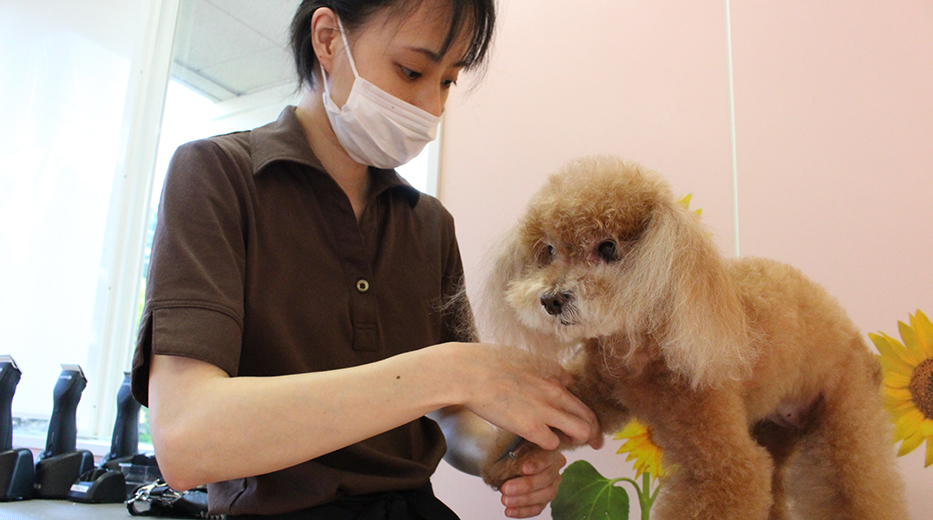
x,y
325,37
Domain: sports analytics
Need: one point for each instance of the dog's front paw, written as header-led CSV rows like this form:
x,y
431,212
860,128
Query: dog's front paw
x,y
507,464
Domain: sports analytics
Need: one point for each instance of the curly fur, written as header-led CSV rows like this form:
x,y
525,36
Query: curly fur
x,y
757,386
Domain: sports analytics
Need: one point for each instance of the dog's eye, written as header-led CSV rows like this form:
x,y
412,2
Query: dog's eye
x,y
545,254
607,251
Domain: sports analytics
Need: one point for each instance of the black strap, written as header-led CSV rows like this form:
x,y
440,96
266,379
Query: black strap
x,y
158,499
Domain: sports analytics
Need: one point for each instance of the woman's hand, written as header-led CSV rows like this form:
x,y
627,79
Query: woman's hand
x,y
528,494
522,393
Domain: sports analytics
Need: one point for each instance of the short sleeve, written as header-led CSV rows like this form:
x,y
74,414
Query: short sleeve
x,y
195,285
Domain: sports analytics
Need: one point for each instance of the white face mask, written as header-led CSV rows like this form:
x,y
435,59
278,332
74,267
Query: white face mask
x,y
375,127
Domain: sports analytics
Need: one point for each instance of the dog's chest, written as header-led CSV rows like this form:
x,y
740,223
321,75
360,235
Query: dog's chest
x,y
632,376
628,371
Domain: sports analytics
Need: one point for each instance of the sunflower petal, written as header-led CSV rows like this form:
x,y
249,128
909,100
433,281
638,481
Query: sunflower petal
x,y
891,360
912,353
881,343
628,447
926,428
631,429
929,460
908,425
896,414
639,470
896,395
896,380
924,329
639,447
910,444
898,410
891,365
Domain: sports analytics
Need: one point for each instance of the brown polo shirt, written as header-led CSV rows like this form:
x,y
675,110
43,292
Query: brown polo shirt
x,y
260,267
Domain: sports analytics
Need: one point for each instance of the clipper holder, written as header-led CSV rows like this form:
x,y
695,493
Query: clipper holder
x,y
17,474
109,484
61,464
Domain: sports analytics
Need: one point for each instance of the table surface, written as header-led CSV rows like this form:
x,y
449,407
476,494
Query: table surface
x,y
61,509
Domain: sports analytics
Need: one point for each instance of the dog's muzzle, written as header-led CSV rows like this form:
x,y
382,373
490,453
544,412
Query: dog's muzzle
x,y
555,301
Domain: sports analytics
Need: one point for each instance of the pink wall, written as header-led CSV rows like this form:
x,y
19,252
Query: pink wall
x,y
834,126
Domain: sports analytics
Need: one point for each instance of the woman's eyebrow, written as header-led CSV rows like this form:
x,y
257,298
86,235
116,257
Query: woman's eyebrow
x,y
434,56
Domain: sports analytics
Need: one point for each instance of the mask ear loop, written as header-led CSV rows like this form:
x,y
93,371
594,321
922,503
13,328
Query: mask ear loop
x,y
346,44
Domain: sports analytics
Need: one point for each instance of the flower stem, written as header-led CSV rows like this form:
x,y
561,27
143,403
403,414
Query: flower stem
x,y
645,497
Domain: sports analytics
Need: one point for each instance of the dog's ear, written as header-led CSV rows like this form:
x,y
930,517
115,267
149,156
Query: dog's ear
x,y
694,302
498,321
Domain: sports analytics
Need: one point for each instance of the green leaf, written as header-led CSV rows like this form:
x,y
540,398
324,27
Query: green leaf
x,y
584,494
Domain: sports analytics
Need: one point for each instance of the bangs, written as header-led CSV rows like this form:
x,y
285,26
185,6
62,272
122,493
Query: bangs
x,y
480,15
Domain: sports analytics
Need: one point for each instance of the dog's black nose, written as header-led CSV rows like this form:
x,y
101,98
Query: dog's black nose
x,y
554,302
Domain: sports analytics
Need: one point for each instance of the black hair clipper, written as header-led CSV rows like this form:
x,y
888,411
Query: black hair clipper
x,y
17,474
125,441
60,465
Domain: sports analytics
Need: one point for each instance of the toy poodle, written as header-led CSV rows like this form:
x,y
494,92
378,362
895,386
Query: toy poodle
x,y
756,385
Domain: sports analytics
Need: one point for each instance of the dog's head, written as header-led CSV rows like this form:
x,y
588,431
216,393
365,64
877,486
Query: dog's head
x,y
605,250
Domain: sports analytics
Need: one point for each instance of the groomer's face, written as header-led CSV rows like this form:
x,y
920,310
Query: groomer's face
x,y
401,56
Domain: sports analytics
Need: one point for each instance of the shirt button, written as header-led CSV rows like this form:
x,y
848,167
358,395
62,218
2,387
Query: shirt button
x,y
362,285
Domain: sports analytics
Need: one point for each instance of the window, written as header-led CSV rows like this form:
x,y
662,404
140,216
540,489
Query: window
x,y
65,73
83,151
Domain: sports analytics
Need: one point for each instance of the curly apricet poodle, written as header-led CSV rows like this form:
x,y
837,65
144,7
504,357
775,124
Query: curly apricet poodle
x,y
758,388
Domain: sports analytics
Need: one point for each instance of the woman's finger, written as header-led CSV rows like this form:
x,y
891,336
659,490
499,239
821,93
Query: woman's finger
x,y
540,472
527,495
575,420
537,498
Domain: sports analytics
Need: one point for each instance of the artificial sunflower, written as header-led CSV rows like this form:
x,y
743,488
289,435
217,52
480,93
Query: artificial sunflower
x,y
642,449
685,202
908,383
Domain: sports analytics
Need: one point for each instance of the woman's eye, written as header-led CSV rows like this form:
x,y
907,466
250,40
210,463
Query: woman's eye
x,y
410,74
447,83
607,251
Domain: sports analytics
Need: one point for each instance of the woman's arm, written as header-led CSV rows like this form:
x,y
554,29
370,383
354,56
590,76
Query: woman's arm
x,y
209,427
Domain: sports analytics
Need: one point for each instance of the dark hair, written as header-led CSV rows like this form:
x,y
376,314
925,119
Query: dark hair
x,y
354,13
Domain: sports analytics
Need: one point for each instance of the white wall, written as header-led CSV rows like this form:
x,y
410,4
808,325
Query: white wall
x,y
834,118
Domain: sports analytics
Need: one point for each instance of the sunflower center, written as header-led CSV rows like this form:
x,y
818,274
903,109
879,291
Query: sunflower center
x,y
921,388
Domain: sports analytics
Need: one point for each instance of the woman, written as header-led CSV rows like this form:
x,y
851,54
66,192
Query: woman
x,y
295,334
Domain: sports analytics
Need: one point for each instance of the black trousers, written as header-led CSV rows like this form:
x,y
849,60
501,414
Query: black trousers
x,y
415,504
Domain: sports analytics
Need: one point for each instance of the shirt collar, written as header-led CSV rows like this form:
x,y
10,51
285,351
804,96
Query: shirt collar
x,y
284,140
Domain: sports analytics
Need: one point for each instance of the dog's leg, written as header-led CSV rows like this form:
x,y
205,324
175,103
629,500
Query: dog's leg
x,y
505,463
780,441
718,470
846,468
590,388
